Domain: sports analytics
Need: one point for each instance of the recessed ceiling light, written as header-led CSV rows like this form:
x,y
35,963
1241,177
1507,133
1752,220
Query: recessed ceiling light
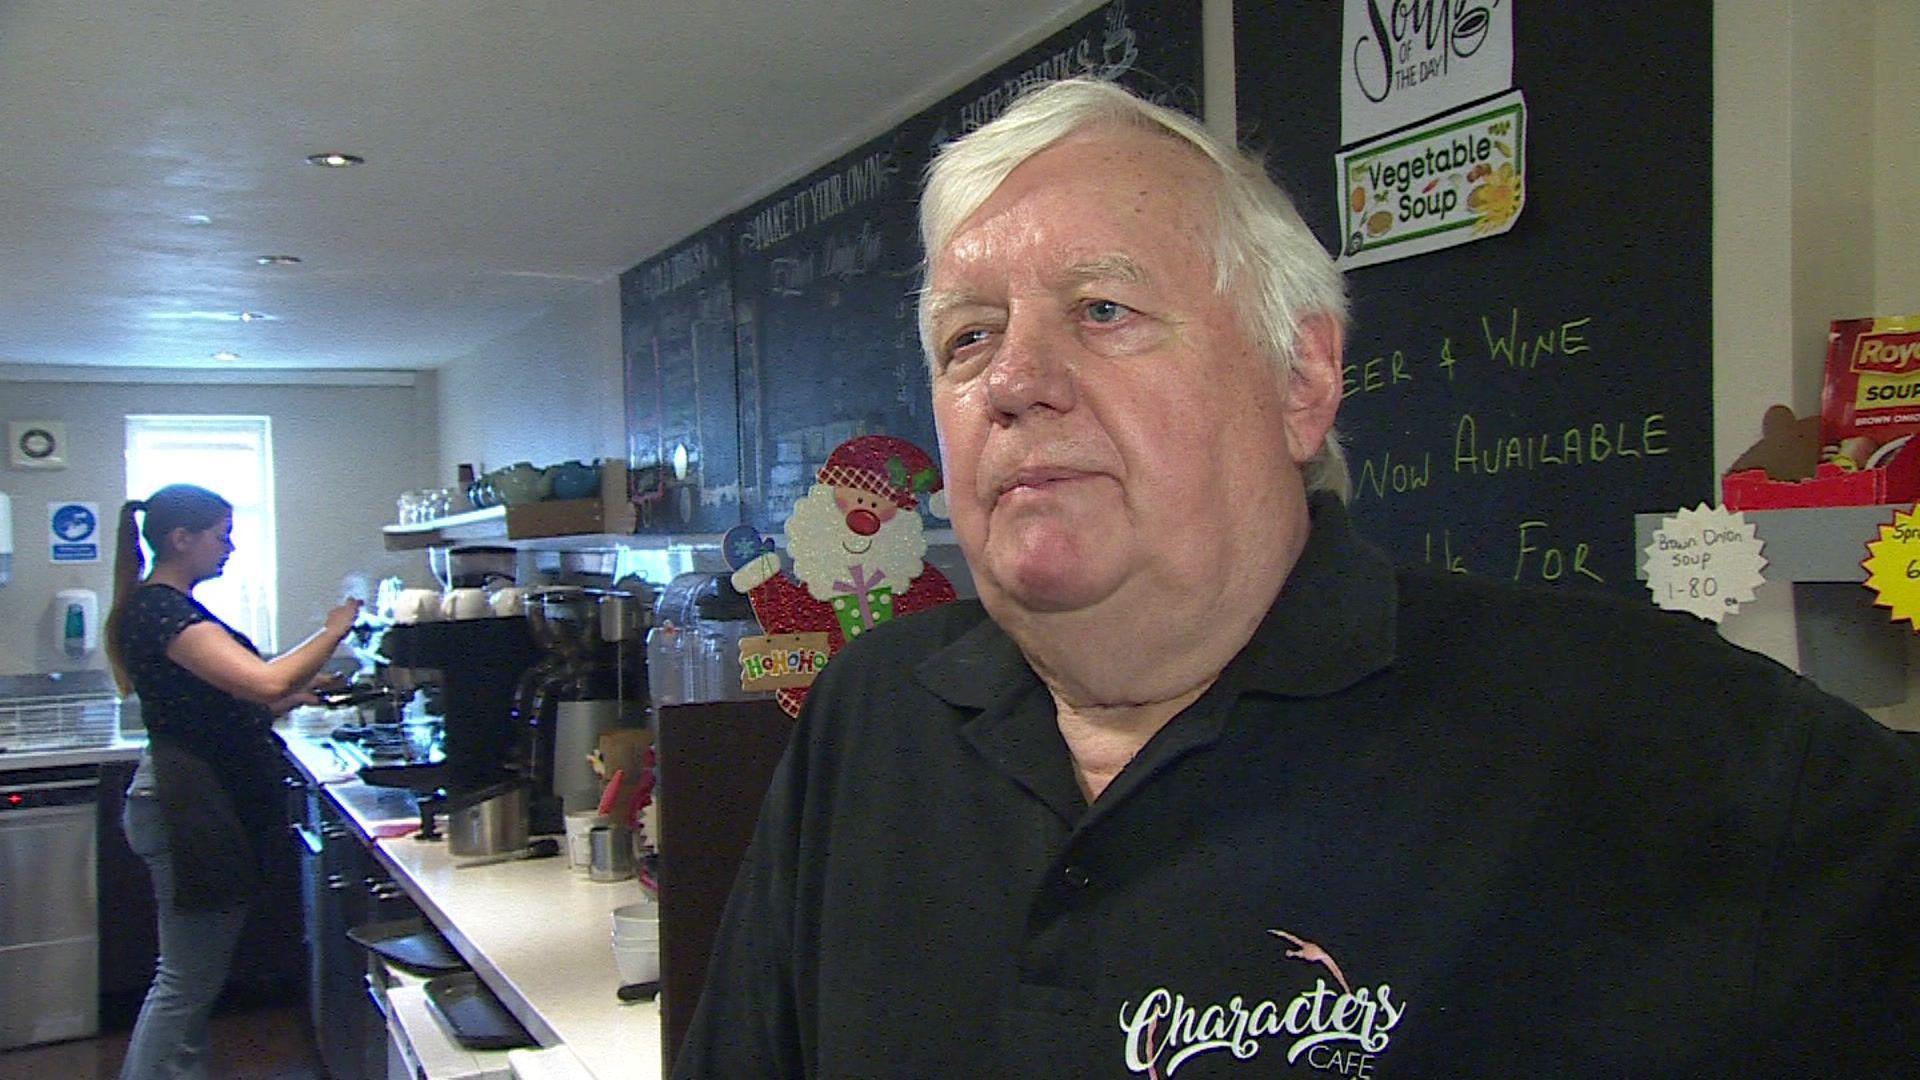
x,y
225,355
211,316
276,260
335,160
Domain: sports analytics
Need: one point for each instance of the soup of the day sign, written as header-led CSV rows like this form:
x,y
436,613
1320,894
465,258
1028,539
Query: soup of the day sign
x,y
1404,61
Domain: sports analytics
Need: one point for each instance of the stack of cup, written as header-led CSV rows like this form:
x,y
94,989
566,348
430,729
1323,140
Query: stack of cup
x,y
579,824
636,942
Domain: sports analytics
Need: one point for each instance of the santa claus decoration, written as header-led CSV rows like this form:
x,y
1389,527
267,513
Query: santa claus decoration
x,y
859,549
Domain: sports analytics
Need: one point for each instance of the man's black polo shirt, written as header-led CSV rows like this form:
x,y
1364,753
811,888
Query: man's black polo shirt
x,y
1423,825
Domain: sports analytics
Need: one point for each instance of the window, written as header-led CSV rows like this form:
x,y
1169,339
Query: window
x,y
232,455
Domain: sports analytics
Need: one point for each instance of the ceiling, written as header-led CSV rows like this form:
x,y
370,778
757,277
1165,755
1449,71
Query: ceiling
x,y
517,153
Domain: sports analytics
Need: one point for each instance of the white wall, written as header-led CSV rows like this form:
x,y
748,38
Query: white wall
x,y
341,455
1895,163
1816,165
549,392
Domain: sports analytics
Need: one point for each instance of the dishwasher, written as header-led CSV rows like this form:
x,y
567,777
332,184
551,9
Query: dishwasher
x,y
49,918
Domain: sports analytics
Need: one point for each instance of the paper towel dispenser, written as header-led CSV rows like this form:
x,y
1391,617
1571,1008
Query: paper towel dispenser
x,y
6,538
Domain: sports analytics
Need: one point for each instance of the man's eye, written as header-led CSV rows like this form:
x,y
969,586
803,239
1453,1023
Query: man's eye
x,y
1105,311
965,338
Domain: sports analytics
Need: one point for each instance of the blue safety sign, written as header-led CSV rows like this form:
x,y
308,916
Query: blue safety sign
x,y
73,531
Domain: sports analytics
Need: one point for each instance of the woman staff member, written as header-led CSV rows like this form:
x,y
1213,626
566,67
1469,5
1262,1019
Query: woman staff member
x,y
209,782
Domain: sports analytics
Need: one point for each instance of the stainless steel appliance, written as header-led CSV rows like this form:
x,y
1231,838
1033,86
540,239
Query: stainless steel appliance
x,y
479,662
590,682
49,905
489,821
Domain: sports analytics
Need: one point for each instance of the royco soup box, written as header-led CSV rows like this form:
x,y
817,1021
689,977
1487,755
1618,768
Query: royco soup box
x,y
1869,413
1870,402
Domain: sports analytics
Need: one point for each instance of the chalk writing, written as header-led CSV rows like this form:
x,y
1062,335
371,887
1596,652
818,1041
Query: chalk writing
x,y
1384,474
1577,445
1376,374
689,265
1454,564
1549,561
1115,54
826,198
1567,339
842,255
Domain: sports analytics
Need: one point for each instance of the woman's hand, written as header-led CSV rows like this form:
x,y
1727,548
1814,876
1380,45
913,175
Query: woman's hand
x,y
340,619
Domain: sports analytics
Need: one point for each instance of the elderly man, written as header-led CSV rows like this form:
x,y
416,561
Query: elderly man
x,y
1203,786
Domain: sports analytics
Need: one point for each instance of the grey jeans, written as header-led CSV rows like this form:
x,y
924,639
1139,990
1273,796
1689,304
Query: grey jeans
x,y
170,1039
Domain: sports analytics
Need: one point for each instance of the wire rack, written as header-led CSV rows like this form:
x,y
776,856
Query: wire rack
x,y
58,722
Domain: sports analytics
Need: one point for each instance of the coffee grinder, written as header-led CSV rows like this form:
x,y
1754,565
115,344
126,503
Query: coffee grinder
x,y
580,689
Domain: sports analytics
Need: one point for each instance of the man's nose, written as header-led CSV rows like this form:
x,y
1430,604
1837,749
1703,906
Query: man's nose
x,y
863,522
1031,368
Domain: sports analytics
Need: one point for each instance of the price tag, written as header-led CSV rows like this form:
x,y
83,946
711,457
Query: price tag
x,y
1893,567
1705,560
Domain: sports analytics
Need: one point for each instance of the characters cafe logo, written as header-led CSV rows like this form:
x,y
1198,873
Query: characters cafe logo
x,y
1339,1031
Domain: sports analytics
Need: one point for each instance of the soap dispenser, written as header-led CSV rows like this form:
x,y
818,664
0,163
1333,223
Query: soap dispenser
x,y
77,621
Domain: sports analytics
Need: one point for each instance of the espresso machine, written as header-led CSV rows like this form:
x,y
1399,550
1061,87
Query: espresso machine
x,y
478,663
590,680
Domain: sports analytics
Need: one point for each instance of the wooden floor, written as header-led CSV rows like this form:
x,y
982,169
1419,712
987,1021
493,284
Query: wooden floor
x,y
258,1043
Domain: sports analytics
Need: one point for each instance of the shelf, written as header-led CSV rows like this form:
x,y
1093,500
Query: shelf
x,y
1825,543
1847,645
552,523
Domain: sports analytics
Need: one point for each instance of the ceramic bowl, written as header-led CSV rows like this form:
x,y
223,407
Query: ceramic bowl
x,y
519,483
574,479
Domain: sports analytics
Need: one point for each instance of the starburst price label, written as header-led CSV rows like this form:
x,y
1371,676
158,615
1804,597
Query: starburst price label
x,y
1705,560
1893,568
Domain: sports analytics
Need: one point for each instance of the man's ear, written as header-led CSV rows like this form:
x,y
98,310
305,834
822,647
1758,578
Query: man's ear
x,y
1313,387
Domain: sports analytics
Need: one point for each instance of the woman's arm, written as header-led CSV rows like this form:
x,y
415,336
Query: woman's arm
x,y
324,680
207,650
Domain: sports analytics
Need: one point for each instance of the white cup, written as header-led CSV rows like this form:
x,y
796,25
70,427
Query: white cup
x,y
637,963
509,600
416,606
467,603
579,843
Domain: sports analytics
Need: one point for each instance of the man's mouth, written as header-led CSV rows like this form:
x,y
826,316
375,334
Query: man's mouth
x,y
857,547
1040,478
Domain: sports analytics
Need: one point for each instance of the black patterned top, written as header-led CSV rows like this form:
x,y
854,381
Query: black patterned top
x,y
174,701
216,761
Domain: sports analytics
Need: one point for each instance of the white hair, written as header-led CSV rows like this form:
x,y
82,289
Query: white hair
x,y
1264,255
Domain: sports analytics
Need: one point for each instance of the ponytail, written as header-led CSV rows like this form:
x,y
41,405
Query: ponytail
x,y
128,564
176,506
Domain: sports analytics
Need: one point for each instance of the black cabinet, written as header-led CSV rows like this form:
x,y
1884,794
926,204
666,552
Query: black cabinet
x,y
343,886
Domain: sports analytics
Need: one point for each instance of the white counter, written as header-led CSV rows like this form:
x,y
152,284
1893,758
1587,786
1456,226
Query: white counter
x,y
539,934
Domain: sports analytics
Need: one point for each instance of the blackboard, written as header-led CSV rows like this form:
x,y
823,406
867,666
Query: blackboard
x,y
824,332
683,427
1513,402
826,268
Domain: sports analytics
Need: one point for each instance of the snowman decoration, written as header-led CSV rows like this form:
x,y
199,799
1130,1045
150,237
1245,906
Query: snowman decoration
x,y
859,549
